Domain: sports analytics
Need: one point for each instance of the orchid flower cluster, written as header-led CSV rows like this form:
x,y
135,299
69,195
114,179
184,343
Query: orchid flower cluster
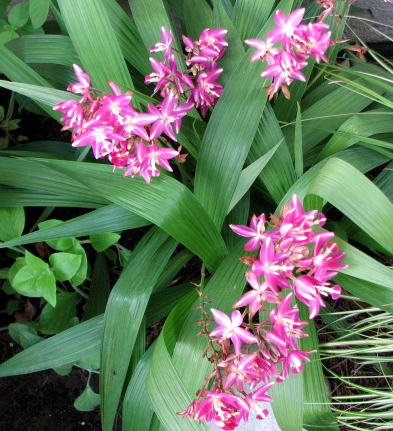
x,y
299,41
198,83
292,257
114,128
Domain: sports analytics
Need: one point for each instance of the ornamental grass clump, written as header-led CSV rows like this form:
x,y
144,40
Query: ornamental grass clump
x,y
230,225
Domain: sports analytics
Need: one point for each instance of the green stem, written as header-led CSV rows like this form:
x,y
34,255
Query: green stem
x,y
81,293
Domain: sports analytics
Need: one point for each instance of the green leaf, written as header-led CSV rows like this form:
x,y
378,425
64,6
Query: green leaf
x,y
149,17
249,16
249,175
81,273
230,133
127,35
164,385
12,306
346,188
279,174
298,143
78,342
318,106
35,279
99,288
288,400
65,265
19,15
83,341
39,10
176,263
95,42
137,409
64,370
87,400
19,263
235,50
110,217
3,7
51,49
24,334
102,241
124,313
35,262
355,128
197,16
316,408
181,216
17,70
238,215
60,244
46,96
55,319
12,223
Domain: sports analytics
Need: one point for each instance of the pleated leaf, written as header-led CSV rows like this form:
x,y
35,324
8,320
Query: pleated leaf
x,y
45,96
316,409
197,16
137,409
107,219
235,50
43,48
78,342
249,175
99,288
36,177
279,174
358,198
16,70
128,37
149,17
230,132
124,313
165,202
249,16
364,125
95,42
164,385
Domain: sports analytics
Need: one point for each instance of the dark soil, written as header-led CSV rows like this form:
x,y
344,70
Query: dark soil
x,y
42,401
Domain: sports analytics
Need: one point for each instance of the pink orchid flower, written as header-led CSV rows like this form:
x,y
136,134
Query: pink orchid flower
x,y
286,326
310,291
231,328
224,409
284,68
263,48
165,45
83,84
256,231
271,265
166,115
256,298
253,398
286,27
99,136
73,113
150,157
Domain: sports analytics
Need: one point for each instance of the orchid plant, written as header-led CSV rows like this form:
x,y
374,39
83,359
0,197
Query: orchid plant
x,y
259,108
